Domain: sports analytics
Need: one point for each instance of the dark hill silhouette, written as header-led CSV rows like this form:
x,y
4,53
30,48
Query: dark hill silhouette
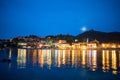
x,y
111,37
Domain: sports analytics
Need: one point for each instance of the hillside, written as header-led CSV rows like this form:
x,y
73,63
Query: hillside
x,y
100,36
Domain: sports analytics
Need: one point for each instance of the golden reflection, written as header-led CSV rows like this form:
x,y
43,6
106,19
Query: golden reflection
x,y
114,62
34,55
56,57
63,59
94,60
73,57
78,58
88,58
46,57
59,58
21,58
105,60
40,58
83,58
49,61
68,57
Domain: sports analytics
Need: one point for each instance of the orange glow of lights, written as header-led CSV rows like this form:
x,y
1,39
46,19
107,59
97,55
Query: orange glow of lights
x,y
63,60
49,61
40,58
105,60
83,57
59,56
114,62
73,57
94,60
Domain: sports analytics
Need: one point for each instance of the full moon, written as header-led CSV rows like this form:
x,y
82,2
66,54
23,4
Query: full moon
x,y
83,29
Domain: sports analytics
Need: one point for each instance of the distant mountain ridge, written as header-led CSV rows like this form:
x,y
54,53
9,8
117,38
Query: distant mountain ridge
x,y
102,37
111,37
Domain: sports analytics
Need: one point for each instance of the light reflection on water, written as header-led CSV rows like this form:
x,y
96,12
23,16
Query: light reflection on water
x,y
106,60
114,62
21,58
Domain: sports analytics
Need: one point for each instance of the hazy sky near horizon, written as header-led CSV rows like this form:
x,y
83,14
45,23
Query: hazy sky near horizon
x,y
52,17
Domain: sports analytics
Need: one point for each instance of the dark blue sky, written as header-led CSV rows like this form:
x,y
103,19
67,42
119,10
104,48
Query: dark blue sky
x,y
52,17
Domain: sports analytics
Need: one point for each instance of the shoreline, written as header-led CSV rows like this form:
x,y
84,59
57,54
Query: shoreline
x,y
61,49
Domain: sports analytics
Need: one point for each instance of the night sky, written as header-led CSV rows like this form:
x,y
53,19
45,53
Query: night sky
x,y
52,17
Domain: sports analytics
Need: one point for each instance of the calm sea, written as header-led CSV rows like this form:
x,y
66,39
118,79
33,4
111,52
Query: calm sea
x,y
51,64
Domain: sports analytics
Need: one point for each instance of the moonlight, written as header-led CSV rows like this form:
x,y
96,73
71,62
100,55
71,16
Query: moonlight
x,y
83,29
